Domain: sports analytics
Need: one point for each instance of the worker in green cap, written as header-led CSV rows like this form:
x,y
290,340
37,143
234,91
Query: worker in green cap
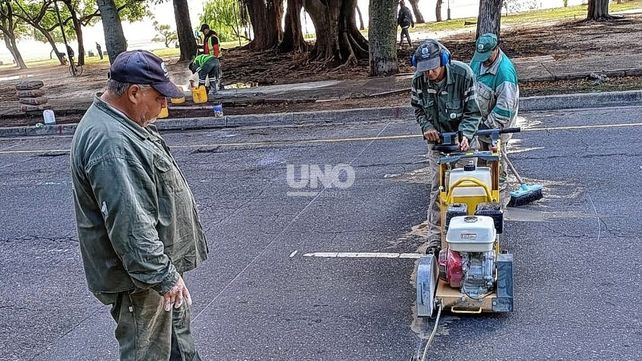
x,y
497,93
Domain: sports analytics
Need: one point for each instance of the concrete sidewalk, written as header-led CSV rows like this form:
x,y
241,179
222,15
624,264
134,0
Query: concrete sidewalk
x,y
553,102
540,68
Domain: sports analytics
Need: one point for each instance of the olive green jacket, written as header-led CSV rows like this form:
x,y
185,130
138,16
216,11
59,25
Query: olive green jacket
x,y
449,109
137,221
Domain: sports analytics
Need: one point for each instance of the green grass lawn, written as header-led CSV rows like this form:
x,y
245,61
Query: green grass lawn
x,y
572,12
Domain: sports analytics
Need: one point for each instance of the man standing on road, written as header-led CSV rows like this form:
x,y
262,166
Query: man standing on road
x,y
443,96
211,47
404,19
138,226
497,94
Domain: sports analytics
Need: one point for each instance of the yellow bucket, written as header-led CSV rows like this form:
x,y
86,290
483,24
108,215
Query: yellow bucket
x,y
199,95
180,100
164,113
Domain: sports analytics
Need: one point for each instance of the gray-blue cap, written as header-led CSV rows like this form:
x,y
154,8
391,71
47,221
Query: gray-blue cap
x,y
143,67
428,55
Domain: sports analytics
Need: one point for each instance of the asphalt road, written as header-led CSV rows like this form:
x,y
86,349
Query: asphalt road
x,y
262,296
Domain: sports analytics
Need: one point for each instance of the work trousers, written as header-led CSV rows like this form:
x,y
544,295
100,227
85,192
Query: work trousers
x,y
404,32
146,332
211,73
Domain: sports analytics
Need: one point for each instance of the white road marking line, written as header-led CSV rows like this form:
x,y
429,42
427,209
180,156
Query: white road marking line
x,y
293,254
337,140
363,255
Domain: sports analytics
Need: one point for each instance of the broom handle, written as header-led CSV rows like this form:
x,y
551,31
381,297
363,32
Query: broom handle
x,y
512,168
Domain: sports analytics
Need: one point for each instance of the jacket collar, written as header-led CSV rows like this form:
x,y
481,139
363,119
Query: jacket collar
x,y
494,68
120,117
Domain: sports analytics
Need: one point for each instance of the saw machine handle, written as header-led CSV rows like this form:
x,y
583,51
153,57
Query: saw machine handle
x,y
468,182
449,141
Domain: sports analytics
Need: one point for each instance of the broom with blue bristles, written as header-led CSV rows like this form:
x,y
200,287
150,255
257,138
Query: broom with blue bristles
x,y
526,193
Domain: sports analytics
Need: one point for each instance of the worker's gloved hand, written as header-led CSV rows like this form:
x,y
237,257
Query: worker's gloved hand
x,y
464,145
177,295
431,135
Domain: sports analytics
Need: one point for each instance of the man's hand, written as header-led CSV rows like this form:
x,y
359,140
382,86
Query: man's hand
x,y
463,145
176,295
431,135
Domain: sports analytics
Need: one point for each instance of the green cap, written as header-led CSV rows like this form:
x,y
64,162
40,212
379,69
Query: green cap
x,y
484,47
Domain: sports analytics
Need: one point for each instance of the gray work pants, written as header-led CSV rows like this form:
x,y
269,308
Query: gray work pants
x,y
211,71
146,332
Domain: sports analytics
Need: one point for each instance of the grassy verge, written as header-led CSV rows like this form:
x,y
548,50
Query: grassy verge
x,y
528,17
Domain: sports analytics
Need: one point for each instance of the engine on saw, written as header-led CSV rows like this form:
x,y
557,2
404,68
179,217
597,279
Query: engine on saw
x,y
468,263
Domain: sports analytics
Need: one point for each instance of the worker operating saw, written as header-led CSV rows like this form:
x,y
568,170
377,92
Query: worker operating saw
x,y
209,72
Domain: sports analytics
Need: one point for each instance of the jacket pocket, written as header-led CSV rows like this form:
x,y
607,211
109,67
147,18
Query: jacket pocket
x,y
484,99
455,109
166,174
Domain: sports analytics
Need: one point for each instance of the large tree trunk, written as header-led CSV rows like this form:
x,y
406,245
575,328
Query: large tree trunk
x,y
382,35
78,30
112,28
10,42
8,28
438,10
293,34
598,10
419,19
339,42
184,31
489,19
265,16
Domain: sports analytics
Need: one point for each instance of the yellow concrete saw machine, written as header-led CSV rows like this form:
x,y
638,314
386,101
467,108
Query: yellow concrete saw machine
x,y
472,273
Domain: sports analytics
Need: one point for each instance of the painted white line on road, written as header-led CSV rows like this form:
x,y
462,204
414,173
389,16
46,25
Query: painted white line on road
x,y
362,255
338,140
302,194
293,254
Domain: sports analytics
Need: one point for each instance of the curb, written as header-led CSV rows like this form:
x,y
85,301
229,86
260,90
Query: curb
x,y
536,103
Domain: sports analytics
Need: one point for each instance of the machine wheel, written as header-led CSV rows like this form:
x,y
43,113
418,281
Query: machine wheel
x,y
426,284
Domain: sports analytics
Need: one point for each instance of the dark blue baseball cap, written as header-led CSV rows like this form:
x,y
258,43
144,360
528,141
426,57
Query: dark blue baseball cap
x,y
143,67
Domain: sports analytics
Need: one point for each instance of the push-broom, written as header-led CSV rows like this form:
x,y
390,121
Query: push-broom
x,y
526,193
